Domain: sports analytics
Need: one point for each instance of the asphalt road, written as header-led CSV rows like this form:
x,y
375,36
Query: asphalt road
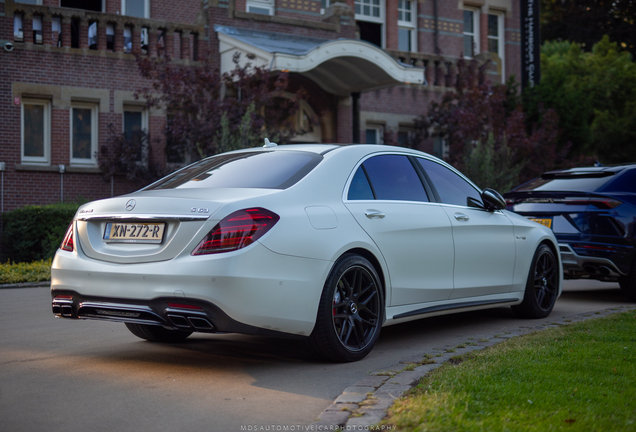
x,y
61,375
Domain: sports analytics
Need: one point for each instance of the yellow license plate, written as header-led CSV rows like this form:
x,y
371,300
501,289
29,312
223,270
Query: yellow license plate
x,y
543,221
129,232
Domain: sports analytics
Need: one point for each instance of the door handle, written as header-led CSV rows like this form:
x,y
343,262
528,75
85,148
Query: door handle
x,y
461,217
374,214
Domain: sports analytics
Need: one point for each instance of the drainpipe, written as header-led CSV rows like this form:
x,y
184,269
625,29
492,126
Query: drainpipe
x,y
355,102
436,13
3,166
62,169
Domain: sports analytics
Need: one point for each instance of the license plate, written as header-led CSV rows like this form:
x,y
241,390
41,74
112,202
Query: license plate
x,y
129,232
543,221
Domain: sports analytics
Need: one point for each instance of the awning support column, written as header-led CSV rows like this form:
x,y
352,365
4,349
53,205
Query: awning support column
x,y
355,106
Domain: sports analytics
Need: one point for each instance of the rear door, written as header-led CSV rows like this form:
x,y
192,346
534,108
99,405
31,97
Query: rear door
x,y
388,199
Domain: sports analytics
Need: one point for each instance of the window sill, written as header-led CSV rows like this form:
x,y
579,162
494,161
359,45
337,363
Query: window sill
x,y
56,169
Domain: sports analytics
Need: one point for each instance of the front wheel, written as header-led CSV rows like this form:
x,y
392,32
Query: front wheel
x,y
350,312
542,287
157,333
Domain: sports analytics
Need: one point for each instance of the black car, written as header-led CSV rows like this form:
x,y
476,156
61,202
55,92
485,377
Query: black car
x,y
592,212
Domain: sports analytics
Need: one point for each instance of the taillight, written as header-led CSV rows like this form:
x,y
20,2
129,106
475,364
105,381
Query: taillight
x,y
602,203
67,243
236,231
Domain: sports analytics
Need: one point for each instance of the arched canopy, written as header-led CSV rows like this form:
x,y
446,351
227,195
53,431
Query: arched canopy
x,y
338,66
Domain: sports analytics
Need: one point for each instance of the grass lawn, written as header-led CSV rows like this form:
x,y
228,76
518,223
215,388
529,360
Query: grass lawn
x,y
37,271
579,377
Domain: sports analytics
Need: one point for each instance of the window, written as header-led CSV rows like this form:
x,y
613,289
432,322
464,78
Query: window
x,y
324,4
407,15
75,35
263,7
84,131
471,32
92,35
33,2
18,33
451,187
128,39
37,29
135,130
374,135
144,40
440,147
387,177
370,20
136,8
89,5
56,27
258,169
496,37
36,131
110,37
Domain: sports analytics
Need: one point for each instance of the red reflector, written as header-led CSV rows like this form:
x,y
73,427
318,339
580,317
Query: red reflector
x,y
240,229
68,244
184,306
63,297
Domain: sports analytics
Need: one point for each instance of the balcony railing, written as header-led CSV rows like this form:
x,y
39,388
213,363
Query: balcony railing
x,y
69,29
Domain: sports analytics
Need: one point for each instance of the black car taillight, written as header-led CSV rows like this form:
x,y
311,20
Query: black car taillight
x,y
237,230
602,203
68,244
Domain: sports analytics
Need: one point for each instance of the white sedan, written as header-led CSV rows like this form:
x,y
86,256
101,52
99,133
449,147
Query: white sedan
x,y
322,242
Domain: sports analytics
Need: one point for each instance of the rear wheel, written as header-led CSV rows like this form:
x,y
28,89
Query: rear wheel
x,y
350,313
542,286
157,333
628,283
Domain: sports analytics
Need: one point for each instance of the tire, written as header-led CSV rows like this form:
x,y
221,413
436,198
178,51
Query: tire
x,y
542,287
350,313
628,283
157,333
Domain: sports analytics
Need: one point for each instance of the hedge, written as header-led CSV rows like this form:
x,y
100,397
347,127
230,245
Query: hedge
x,y
34,233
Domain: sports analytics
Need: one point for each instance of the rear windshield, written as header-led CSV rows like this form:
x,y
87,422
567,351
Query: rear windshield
x,y
257,169
580,183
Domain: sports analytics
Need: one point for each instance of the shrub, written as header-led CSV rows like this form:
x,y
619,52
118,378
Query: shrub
x,y
34,233
38,271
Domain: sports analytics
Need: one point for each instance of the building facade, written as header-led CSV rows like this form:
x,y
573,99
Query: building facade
x,y
369,67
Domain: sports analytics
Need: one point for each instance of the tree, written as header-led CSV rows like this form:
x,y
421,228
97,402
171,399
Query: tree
x,y
586,21
211,112
593,94
485,127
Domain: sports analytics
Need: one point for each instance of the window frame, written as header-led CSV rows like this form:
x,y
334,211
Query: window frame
x,y
94,133
379,129
475,33
408,25
500,38
260,4
145,150
146,8
45,159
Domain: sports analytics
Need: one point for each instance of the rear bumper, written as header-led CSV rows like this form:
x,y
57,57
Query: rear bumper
x,y
576,266
184,314
251,291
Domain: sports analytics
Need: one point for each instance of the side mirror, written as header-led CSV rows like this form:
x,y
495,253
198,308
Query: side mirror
x,y
493,200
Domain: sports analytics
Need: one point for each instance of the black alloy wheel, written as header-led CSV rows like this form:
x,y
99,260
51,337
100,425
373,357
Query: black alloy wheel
x,y
351,311
542,287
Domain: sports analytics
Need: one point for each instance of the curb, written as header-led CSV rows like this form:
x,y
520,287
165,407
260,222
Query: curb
x,y
26,285
363,405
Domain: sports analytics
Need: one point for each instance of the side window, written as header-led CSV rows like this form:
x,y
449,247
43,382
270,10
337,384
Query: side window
x,y
451,188
393,177
360,188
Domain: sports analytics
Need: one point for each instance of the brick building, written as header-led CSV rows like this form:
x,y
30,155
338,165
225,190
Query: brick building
x,y
371,66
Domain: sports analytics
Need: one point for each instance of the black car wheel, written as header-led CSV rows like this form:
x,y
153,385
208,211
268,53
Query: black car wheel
x,y
350,313
628,283
157,333
542,286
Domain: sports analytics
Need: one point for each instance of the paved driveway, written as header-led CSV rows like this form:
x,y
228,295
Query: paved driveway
x,y
59,375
